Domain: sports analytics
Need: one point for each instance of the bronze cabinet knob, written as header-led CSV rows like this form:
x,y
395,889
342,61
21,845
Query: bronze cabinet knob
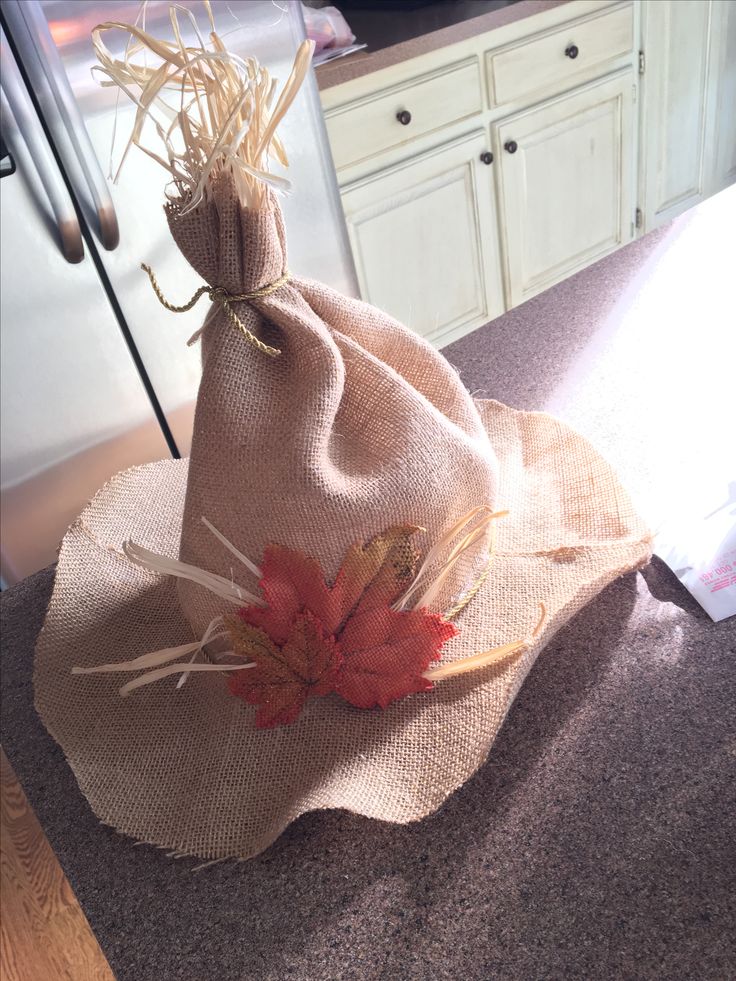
x,y
511,146
572,51
487,157
404,117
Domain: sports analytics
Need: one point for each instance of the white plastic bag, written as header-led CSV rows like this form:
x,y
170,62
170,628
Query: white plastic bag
x,y
702,553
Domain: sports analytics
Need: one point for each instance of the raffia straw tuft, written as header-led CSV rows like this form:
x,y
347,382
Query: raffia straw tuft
x,y
231,548
439,570
157,664
212,111
495,656
164,565
147,679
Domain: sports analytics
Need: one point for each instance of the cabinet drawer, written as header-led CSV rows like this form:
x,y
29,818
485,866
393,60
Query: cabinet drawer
x,y
371,125
560,59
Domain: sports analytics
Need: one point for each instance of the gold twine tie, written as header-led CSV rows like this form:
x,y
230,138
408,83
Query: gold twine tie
x,y
219,295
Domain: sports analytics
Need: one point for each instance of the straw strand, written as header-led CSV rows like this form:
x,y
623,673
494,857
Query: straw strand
x,y
211,109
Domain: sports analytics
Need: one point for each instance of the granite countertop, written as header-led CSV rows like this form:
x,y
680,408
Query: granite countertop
x,y
394,36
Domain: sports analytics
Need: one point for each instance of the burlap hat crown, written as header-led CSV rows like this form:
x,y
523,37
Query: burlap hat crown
x,y
335,449
358,425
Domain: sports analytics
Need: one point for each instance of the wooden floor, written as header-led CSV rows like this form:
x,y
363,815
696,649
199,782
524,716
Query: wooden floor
x,y
44,935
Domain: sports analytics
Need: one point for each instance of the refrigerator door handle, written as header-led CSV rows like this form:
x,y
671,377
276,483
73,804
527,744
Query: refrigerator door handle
x,y
36,41
21,125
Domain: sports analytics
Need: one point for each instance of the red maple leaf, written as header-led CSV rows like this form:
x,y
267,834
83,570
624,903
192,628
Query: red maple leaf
x,y
312,638
291,583
283,677
385,654
372,574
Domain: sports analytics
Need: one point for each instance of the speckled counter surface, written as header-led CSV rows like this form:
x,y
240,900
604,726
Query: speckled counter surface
x,y
363,62
598,840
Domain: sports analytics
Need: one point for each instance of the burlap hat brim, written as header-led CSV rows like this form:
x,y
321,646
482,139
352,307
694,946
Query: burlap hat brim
x,y
187,770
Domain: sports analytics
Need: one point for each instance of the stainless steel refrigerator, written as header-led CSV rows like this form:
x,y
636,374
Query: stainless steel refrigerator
x,y
96,375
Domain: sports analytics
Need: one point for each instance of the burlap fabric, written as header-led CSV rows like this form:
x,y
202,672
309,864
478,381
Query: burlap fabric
x,y
357,426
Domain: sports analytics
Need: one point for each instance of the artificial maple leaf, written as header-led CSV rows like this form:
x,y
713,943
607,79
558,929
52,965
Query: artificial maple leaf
x,y
372,575
375,574
312,638
290,583
284,676
386,652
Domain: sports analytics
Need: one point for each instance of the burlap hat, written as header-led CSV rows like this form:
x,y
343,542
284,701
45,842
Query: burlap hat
x,y
354,571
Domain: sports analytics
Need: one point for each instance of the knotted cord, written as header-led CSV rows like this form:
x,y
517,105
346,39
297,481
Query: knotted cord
x,y
219,295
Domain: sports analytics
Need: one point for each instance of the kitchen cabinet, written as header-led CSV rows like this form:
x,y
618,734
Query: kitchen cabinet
x,y
676,43
565,184
605,118
544,64
424,242
723,60
688,120
399,114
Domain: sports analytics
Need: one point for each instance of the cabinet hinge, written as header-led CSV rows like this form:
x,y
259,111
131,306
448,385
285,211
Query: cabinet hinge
x,y
638,218
642,63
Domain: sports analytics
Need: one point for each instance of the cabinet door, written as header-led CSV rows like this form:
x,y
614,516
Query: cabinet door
x,y
674,116
565,172
424,239
723,75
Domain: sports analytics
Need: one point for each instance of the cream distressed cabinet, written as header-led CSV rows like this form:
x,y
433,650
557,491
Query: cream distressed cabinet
x,y
423,238
478,174
688,149
565,184
723,75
